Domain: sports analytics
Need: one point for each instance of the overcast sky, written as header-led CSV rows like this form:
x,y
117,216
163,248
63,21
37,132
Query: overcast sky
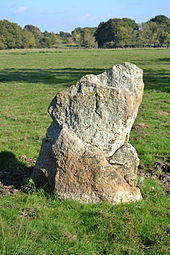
x,y
65,15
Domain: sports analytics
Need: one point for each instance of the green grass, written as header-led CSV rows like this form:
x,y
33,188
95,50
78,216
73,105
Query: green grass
x,y
40,224
37,224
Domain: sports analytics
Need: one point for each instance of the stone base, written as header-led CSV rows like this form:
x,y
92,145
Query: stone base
x,y
78,171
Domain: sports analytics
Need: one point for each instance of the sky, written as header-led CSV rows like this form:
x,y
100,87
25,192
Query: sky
x,y
65,15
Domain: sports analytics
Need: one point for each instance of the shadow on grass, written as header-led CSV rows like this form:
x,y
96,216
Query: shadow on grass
x,y
13,173
47,76
158,80
163,59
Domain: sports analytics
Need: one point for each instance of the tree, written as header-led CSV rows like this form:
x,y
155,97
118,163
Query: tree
x,y
131,23
153,32
118,31
165,39
45,42
11,35
161,20
66,37
36,32
104,33
84,37
48,40
76,35
88,39
64,34
150,34
163,27
3,44
28,39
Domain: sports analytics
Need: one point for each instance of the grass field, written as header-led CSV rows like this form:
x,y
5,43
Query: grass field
x,y
35,223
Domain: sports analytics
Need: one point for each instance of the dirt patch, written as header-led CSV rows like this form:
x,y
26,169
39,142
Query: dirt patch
x,y
69,237
140,126
8,189
166,124
163,113
27,159
28,213
167,101
160,173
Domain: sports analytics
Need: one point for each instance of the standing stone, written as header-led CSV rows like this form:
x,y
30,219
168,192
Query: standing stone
x,y
85,155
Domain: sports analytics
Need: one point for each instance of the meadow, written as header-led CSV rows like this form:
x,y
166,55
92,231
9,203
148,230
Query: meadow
x,y
37,223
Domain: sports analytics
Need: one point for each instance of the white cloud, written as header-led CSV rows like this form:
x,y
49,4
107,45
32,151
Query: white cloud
x,y
20,9
91,18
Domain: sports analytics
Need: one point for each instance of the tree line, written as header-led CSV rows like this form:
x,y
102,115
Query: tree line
x,y
114,33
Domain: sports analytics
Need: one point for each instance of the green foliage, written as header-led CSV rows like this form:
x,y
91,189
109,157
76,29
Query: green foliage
x,y
36,32
161,20
13,36
3,44
36,224
28,39
66,37
29,186
114,33
85,37
118,31
10,35
45,42
165,39
126,33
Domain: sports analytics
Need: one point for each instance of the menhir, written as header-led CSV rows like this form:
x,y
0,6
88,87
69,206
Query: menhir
x,y
86,155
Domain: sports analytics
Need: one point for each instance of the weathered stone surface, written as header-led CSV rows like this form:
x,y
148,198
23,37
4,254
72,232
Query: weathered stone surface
x,y
85,155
